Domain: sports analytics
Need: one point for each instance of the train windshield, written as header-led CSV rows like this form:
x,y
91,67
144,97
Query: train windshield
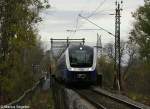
x,y
81,57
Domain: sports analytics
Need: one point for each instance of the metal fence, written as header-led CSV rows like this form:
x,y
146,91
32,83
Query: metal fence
x,y
27,94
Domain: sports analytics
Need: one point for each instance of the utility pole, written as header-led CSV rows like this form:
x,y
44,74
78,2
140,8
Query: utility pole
x,y
117,80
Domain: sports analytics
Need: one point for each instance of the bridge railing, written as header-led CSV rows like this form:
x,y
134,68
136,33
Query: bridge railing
x,y
27,93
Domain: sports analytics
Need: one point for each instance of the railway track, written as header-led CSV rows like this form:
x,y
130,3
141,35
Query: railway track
x,y
84,94
102,99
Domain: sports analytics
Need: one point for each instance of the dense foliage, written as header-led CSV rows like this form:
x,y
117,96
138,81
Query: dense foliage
x,y
19,45
141,33
139,80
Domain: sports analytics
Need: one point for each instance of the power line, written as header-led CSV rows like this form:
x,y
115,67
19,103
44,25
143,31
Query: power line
x,y
76,24
75,30
93,13
97,25
77,21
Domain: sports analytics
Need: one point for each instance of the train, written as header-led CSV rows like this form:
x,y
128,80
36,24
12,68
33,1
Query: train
x,y
77,65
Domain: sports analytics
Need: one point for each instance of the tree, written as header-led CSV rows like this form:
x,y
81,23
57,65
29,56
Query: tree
x,y
138,74
128,56
141,33
105,66
18,41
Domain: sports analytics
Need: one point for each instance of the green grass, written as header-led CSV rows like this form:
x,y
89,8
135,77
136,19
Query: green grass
x,y
145,99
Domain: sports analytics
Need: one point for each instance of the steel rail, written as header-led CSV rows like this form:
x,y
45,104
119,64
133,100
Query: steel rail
x,y
90,100
121,99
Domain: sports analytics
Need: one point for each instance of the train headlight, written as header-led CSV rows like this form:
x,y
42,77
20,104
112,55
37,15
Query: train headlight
x,y
72,69
90,69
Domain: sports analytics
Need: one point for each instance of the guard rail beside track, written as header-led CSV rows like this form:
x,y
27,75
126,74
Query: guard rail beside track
x,y
27,93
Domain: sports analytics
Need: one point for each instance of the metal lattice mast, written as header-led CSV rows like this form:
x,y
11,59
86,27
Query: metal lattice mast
x,y
99,45
117,47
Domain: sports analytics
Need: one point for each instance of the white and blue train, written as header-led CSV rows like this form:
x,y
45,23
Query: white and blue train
x,y
77,65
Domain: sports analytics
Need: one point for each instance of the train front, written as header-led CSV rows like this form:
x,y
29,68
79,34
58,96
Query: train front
x,y
81,64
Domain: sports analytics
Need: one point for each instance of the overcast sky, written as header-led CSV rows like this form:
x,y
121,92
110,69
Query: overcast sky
x,y
63,15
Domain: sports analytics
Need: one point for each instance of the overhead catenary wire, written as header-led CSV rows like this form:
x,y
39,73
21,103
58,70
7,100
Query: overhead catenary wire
x,y
76,24
97,25
82,30
73,31
93,13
